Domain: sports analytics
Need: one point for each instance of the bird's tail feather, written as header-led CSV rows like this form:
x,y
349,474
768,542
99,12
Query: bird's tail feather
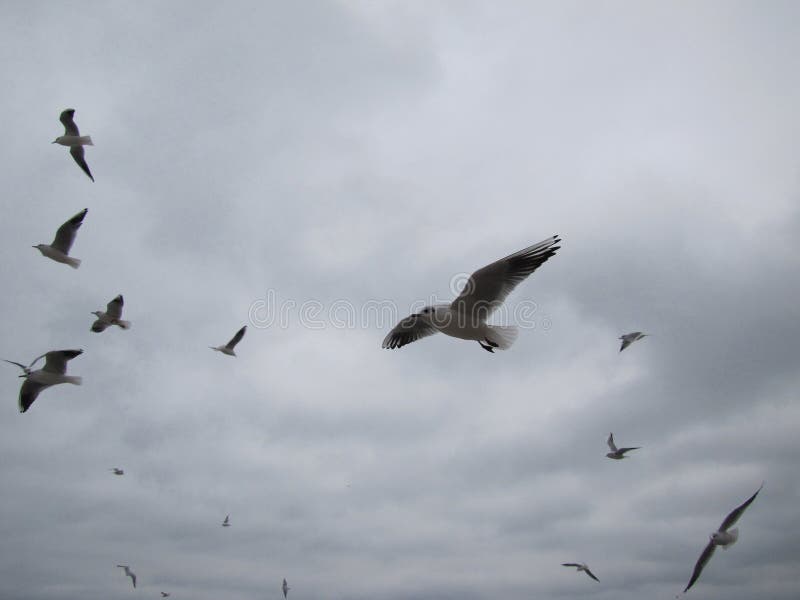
x,y
73,379
73,262
124,324
734,533
502,335
86,140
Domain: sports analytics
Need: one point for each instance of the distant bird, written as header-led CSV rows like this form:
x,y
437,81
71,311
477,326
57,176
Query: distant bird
x,y
485,291
227,521
629,338
111,316
722,537
164,594
74,140
129,573
53,373
581,567
286,588
117,471
228,348
617,453
65,236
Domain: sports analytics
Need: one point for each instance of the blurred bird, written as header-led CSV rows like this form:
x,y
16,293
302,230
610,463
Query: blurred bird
x,y
581,567
629,338
53,373
164,594
485,291
228,348
617,453
285,588
724,537
111,316
129,573
227,521
65,236
117,471
74,140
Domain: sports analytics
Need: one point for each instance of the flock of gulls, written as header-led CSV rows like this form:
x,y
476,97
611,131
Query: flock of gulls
x,y
464,318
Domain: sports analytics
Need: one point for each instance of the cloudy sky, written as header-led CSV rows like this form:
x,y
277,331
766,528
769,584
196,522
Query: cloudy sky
x,y
316,170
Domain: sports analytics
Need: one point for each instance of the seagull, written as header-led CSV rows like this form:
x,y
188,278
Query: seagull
x,y
721,537
53,373
617,453
485,291
73,138
117,471
165,594
111,316
228,348
65,236
581,567
285,587
227,521
629,338
129,573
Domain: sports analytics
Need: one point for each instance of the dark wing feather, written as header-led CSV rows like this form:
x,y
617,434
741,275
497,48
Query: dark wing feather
x,y
410,329
570,565
708,552
590,574
488,287
77,154
65,235
624,450
737,512
114,308
236,338
28,393
67,120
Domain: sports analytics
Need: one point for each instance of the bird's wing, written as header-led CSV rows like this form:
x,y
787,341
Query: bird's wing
x,y
114,308
66,119
65,235
624,450
133,578
570,565
28,393
99,326
590,574
488,287
737,512
77,154
23,367
626,341
410,329
56,361
236,338
610,442
708,552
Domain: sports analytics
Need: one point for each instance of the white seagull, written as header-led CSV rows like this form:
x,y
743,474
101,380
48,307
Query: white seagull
x,y
617,453
228,348
629,338
485,291
53,373
129,573
73,138
117,471
227,521
65,236
285,588
722,537
111,316
581,567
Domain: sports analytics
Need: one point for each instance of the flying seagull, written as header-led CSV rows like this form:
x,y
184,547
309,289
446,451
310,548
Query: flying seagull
x,y
165,594
53,373
111,316
581,567
617,453
117,471
629,338
73,138
285,588
485,291
227,521
228,348
129,573
65,236
722,537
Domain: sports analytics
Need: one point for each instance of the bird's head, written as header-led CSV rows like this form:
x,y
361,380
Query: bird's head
x,y
96,313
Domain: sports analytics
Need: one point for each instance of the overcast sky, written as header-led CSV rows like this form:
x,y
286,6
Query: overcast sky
x,y
316,159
